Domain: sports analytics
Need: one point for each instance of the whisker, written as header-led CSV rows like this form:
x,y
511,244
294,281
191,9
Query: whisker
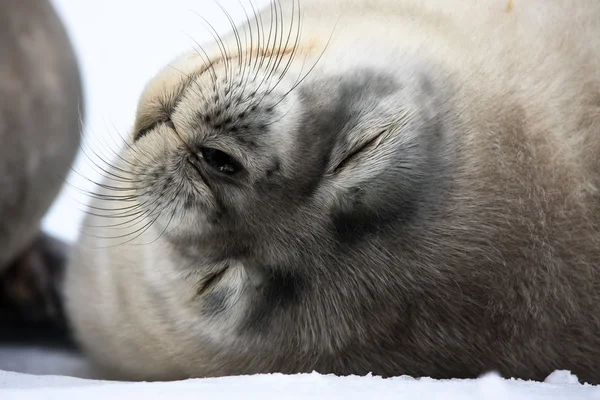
x,y
245,77
266,44
99,196
272,50
280,49
207,62
295,48
118,155
196,88
316,62
109,173
219,41
258,20
235,34
177,193
134,151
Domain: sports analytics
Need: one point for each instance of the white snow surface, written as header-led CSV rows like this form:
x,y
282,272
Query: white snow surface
x,y
276,386
120,45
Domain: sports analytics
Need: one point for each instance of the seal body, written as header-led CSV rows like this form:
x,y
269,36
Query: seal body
x,y
40,110
398,187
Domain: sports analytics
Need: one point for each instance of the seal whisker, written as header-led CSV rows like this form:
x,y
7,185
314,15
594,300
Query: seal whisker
x,y
102,171
94,183
246,71
138,217
281,49
314,65
133,151
225,54
207,63
269,73
259,27
113,154
277,41
191,83
128,211
173,213
236,35
269,52
138,232
263,47
109,165
123,159
121,225
292,54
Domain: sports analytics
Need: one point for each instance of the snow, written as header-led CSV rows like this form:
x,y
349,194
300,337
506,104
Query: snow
x,y
121,44
43,361
314,386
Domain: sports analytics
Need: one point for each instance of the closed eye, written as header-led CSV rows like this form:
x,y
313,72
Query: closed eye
x,y
371,143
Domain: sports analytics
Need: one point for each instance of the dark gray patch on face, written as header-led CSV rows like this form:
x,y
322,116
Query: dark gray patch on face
x,y
328,119
189,202
351,226
414,179
279,292
276,166
215,302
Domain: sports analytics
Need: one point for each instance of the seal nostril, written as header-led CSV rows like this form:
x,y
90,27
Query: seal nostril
x,y
144,131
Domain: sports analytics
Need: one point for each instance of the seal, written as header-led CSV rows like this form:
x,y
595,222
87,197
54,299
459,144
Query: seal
x,y
41,110
353,187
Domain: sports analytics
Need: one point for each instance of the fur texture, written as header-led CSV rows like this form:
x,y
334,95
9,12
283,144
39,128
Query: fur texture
x,y
415,191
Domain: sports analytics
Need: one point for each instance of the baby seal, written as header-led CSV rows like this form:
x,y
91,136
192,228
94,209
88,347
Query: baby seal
x,y
353,187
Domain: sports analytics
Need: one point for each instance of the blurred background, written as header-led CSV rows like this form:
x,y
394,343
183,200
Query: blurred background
x,y
120,46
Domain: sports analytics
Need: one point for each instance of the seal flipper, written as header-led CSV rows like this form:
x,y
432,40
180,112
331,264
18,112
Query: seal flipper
x,y
31,304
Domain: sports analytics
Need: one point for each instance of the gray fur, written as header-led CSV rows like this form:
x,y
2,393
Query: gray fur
x,y
40,104
425,202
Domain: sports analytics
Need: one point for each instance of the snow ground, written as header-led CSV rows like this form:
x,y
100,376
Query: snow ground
x,y
16,386
121,44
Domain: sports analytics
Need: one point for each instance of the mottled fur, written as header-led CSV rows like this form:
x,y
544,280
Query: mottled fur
x,y
463,238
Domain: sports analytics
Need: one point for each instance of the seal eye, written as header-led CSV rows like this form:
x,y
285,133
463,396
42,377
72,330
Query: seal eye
x,y
220,161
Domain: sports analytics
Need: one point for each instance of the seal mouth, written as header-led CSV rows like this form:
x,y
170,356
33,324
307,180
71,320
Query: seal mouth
x,y
211,280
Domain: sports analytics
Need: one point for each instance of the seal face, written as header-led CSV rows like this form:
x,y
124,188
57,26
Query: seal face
x,y
387,198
